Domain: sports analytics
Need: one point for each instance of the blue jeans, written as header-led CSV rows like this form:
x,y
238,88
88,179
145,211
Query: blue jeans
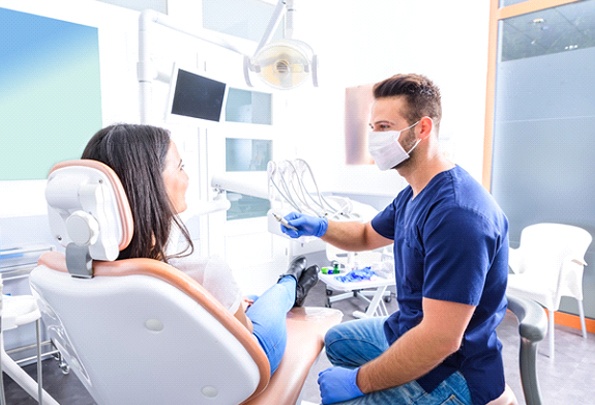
x,y
268,314
354,343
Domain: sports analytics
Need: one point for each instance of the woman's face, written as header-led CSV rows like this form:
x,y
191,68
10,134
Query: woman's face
x,y
175,179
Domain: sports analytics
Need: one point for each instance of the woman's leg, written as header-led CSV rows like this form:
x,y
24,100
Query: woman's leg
x,y
268,314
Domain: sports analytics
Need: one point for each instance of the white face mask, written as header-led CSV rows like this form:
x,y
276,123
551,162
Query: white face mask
x,y
385,148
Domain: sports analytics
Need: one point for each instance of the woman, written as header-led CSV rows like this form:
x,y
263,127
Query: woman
x,y
150,168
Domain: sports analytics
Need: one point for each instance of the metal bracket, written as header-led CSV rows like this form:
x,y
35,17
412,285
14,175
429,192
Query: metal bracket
x,y
78,261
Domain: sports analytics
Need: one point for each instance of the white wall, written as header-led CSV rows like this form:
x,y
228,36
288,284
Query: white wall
x,y
364,42
357,43
22,203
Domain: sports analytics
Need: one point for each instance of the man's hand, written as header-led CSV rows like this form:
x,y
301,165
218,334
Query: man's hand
x,y
338,384
305,225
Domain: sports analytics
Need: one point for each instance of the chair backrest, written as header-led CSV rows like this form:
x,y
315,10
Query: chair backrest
x,y
135,330
549,248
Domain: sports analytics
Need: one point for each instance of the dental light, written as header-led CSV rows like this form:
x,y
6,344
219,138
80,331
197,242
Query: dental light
x,y
283,64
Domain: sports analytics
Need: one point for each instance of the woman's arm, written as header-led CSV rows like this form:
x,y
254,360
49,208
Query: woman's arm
x,y
241,316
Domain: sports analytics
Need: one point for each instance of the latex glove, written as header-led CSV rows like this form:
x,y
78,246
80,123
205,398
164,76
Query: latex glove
x,y
338,384
305,225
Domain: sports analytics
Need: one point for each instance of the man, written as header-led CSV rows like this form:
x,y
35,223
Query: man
x,y
451,263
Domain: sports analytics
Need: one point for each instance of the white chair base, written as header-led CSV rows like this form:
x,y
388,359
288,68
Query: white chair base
x,y
16,311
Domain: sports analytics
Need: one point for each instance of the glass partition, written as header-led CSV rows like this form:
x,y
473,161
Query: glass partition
x,y
247,155
252,107
543,110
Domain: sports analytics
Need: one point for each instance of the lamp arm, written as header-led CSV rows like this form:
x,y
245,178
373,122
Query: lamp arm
x,y
288,29
253,184
278,13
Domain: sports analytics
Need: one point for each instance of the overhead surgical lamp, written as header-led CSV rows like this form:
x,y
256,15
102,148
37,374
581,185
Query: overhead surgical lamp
x,y
286,63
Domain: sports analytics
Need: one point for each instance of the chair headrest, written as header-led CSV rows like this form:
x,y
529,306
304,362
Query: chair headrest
x,y
88,212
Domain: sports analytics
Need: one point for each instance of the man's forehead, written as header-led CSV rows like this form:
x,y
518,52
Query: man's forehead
x,y
387,109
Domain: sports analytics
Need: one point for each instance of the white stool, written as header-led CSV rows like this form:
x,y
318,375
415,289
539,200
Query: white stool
x,y
16,311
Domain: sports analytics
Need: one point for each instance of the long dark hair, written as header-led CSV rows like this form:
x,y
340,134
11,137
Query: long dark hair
x,y
137,154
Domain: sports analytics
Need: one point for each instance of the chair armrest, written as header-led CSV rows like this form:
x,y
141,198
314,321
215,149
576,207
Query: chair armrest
x,y
532,328
531,316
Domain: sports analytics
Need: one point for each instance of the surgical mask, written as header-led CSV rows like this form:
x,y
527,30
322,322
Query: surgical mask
x,y
385,148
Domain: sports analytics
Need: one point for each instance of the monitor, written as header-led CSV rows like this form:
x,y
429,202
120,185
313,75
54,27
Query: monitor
x,y
195,96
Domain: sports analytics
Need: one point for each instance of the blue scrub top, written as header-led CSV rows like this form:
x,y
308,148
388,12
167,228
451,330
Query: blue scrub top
x,y
451,244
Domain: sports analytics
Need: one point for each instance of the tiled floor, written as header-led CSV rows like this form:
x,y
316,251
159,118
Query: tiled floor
x,y
566,380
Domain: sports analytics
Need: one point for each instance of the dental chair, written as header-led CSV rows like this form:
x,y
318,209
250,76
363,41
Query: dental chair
x,y
141,331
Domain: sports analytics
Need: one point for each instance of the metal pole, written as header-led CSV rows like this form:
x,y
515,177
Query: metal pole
x,y
2,398
39,366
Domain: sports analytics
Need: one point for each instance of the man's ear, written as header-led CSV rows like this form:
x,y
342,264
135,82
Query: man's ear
x,y
426,126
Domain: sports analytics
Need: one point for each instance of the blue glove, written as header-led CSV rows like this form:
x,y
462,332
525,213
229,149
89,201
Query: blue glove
x,y
305,225
338,384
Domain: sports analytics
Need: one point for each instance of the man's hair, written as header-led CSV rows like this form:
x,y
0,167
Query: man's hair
x,y
137,154
421,95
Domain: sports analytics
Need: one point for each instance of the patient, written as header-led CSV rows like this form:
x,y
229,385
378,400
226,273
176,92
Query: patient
x,y
152,173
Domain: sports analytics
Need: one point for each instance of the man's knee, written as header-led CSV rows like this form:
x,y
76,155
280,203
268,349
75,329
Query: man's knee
x,y
353,343
332,335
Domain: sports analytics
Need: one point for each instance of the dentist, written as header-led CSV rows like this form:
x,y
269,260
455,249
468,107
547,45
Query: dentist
x,y
451,262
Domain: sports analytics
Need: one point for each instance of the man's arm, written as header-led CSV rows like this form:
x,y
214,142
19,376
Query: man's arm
x,y
347,235
419,350
354,236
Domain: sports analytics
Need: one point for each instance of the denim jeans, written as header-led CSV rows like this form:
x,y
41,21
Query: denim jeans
x,y
268,314
354,343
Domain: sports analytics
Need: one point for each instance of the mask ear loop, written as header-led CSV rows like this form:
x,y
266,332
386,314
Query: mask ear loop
x,y
414,146
420,139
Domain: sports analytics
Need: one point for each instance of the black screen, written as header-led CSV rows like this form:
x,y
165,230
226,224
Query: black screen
x,y
197,96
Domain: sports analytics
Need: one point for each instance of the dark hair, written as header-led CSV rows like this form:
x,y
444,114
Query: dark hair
x,y
137,154
422,96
